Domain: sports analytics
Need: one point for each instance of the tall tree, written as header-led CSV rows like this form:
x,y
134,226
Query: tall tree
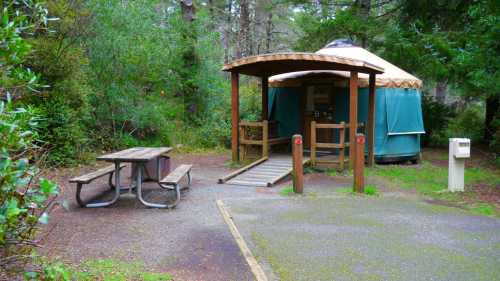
x,y
244,47
190,59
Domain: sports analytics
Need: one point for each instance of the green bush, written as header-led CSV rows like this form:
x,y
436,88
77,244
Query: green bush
x,y
468,123
442,122
436,117
24,201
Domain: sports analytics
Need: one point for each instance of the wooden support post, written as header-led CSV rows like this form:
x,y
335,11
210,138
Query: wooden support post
x,y
371,120
298,168
243,146
342,146
235,115
313,143
353,116
265,88
265,138
359,166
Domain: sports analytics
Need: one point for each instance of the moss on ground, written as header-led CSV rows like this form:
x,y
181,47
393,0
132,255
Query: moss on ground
x,y
286,191
431,180
265,251
110,269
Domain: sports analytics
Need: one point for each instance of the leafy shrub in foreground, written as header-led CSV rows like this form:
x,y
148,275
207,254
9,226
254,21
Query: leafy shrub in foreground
x,y
24,200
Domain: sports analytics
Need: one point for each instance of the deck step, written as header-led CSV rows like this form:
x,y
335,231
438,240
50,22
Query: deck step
x,y
264,174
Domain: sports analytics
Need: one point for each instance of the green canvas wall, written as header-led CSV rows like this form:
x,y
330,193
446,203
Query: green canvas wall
x,y
398,116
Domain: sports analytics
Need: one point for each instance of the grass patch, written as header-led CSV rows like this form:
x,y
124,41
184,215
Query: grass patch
x,y
332,173
371,190
345,190
104,269
287,190
275,261
110,269
432,180
483,209
428,179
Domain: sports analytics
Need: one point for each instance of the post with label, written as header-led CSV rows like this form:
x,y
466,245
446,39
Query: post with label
x,y
298,169
359,164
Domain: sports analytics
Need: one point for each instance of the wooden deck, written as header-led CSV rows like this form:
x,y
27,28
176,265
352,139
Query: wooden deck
x,y
266,172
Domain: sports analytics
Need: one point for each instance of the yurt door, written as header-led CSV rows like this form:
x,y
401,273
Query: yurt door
x,y
319,108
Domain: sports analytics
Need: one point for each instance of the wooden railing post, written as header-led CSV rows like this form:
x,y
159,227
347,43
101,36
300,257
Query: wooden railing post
x,y
342,146
313,143
243,146
359,164
235,115
265,138
298,169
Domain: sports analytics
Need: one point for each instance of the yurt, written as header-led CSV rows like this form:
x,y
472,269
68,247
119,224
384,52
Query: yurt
x,y
297,98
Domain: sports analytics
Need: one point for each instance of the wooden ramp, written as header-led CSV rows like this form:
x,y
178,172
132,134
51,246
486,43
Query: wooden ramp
x,y
263,172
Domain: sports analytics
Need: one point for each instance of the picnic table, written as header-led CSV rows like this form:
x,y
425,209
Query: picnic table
x,y
138,156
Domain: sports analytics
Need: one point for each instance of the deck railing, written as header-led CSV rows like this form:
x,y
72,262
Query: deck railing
x,y
341,145
263,133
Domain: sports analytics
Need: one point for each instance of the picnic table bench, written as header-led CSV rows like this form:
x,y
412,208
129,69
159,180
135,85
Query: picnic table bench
x,y
139,157
173,179
88,178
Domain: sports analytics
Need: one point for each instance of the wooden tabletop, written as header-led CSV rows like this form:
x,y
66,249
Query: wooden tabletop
x,y
135,154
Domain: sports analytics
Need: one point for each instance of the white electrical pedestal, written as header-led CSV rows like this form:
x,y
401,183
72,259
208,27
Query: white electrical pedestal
x,y
459,150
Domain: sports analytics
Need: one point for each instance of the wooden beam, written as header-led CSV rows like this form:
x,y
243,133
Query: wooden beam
x,y
359,165
265,107
313,143
353,116
298,167
235,114
241,170
342,149
370,134
265,139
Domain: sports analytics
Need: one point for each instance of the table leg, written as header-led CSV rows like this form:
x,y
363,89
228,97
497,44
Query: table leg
x,y
139,190
117,191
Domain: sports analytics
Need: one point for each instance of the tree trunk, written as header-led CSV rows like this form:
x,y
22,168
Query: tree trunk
x,y
190,60
490,120
269,31
364,7
244,33
188,10
226,41
441,87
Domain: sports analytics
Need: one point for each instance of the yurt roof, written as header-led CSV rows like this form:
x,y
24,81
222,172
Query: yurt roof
x,y
393,76
277,63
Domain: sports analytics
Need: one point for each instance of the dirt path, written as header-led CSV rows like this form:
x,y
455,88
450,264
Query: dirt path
x,y
191,242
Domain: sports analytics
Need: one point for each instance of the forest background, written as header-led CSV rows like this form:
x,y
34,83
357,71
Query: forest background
x,y
104,75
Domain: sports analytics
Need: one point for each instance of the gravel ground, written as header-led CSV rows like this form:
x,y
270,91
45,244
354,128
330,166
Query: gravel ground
x,y
324,235
192,242
348,237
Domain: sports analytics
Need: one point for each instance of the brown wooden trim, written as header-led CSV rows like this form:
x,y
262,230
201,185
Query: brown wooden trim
x,y
329,145
298,167
265,138
359,177
329,126
342,150
265,88
353,115
241,170
251,142
235,115
313,143
278,140
370,134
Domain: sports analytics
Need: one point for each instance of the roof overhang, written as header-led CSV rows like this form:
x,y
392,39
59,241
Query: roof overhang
x,y
272,64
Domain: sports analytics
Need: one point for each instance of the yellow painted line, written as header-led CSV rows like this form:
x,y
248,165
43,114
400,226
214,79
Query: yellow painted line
x,y
252,262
